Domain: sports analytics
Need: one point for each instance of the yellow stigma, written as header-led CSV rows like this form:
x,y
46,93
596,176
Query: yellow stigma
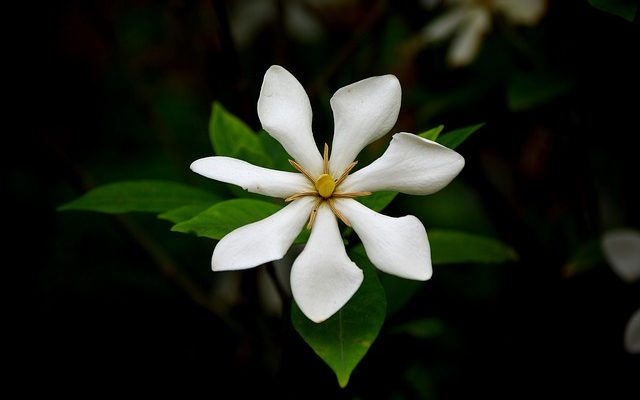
x,y
325,185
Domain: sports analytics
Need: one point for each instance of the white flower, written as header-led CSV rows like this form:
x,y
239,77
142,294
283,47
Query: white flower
x,y
468,20
323,278
621,248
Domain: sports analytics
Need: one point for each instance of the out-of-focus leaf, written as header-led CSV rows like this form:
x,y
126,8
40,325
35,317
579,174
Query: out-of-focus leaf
x,y
231,137
344,339
456,137
626,9
527,91
184,213
587,256
277,153
378,201
141,196
433,133
222,218
452,247
422,328
399,291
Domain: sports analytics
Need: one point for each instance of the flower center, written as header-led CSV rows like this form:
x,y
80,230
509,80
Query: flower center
x,y
325,185
326,188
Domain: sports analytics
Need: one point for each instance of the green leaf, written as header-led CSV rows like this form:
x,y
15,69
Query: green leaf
x,y
231,137
184,213
378,201
141,196
433,133
455,138
622,8
422,328
344,339
526,91
453,247
399,291
586,257
222,218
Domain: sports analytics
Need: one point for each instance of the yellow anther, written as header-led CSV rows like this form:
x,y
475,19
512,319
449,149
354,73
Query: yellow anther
x,y
325,185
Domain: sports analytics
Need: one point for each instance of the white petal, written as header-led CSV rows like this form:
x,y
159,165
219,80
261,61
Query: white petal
x,y
410,165
621,248
466,43
262,241
255,179
525,12
285,112
398,246
632,334
362,112
444,26
323,278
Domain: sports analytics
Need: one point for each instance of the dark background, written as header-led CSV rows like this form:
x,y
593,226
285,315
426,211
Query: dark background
x,y
123,90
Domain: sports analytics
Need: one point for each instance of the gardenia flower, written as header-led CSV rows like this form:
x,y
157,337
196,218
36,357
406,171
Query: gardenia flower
x,y
468,20
323,278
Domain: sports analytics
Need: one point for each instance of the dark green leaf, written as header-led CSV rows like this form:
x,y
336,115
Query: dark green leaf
x,y
215,222
378,201
455,138
231,137
433,133
587,256
449,247
184,213
142,196
342,340
527,91
422,328
399,291
622,8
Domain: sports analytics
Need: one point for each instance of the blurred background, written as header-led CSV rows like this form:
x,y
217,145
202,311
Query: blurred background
x,y
123,90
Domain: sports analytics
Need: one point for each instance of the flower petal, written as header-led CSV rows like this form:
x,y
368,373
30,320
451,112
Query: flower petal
x,y
262,241
323,278
411,165
621,248
285,113
444,25
362,112
466,42
398,246
525,12
268,182
632,334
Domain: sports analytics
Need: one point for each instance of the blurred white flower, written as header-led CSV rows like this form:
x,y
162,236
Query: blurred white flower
x,y
467,21
632,334
323,278
621,248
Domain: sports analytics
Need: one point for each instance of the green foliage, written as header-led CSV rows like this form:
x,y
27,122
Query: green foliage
x,y
184,213
622,8
378,201
421,328
344,339
433,133
587,256
142,196
231,137
222,218
456,137
526,91
452,247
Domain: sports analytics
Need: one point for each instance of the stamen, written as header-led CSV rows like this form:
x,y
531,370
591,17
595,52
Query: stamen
x,y
346,173
325,160
298,195
350,195
314,213
302,171
338,213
